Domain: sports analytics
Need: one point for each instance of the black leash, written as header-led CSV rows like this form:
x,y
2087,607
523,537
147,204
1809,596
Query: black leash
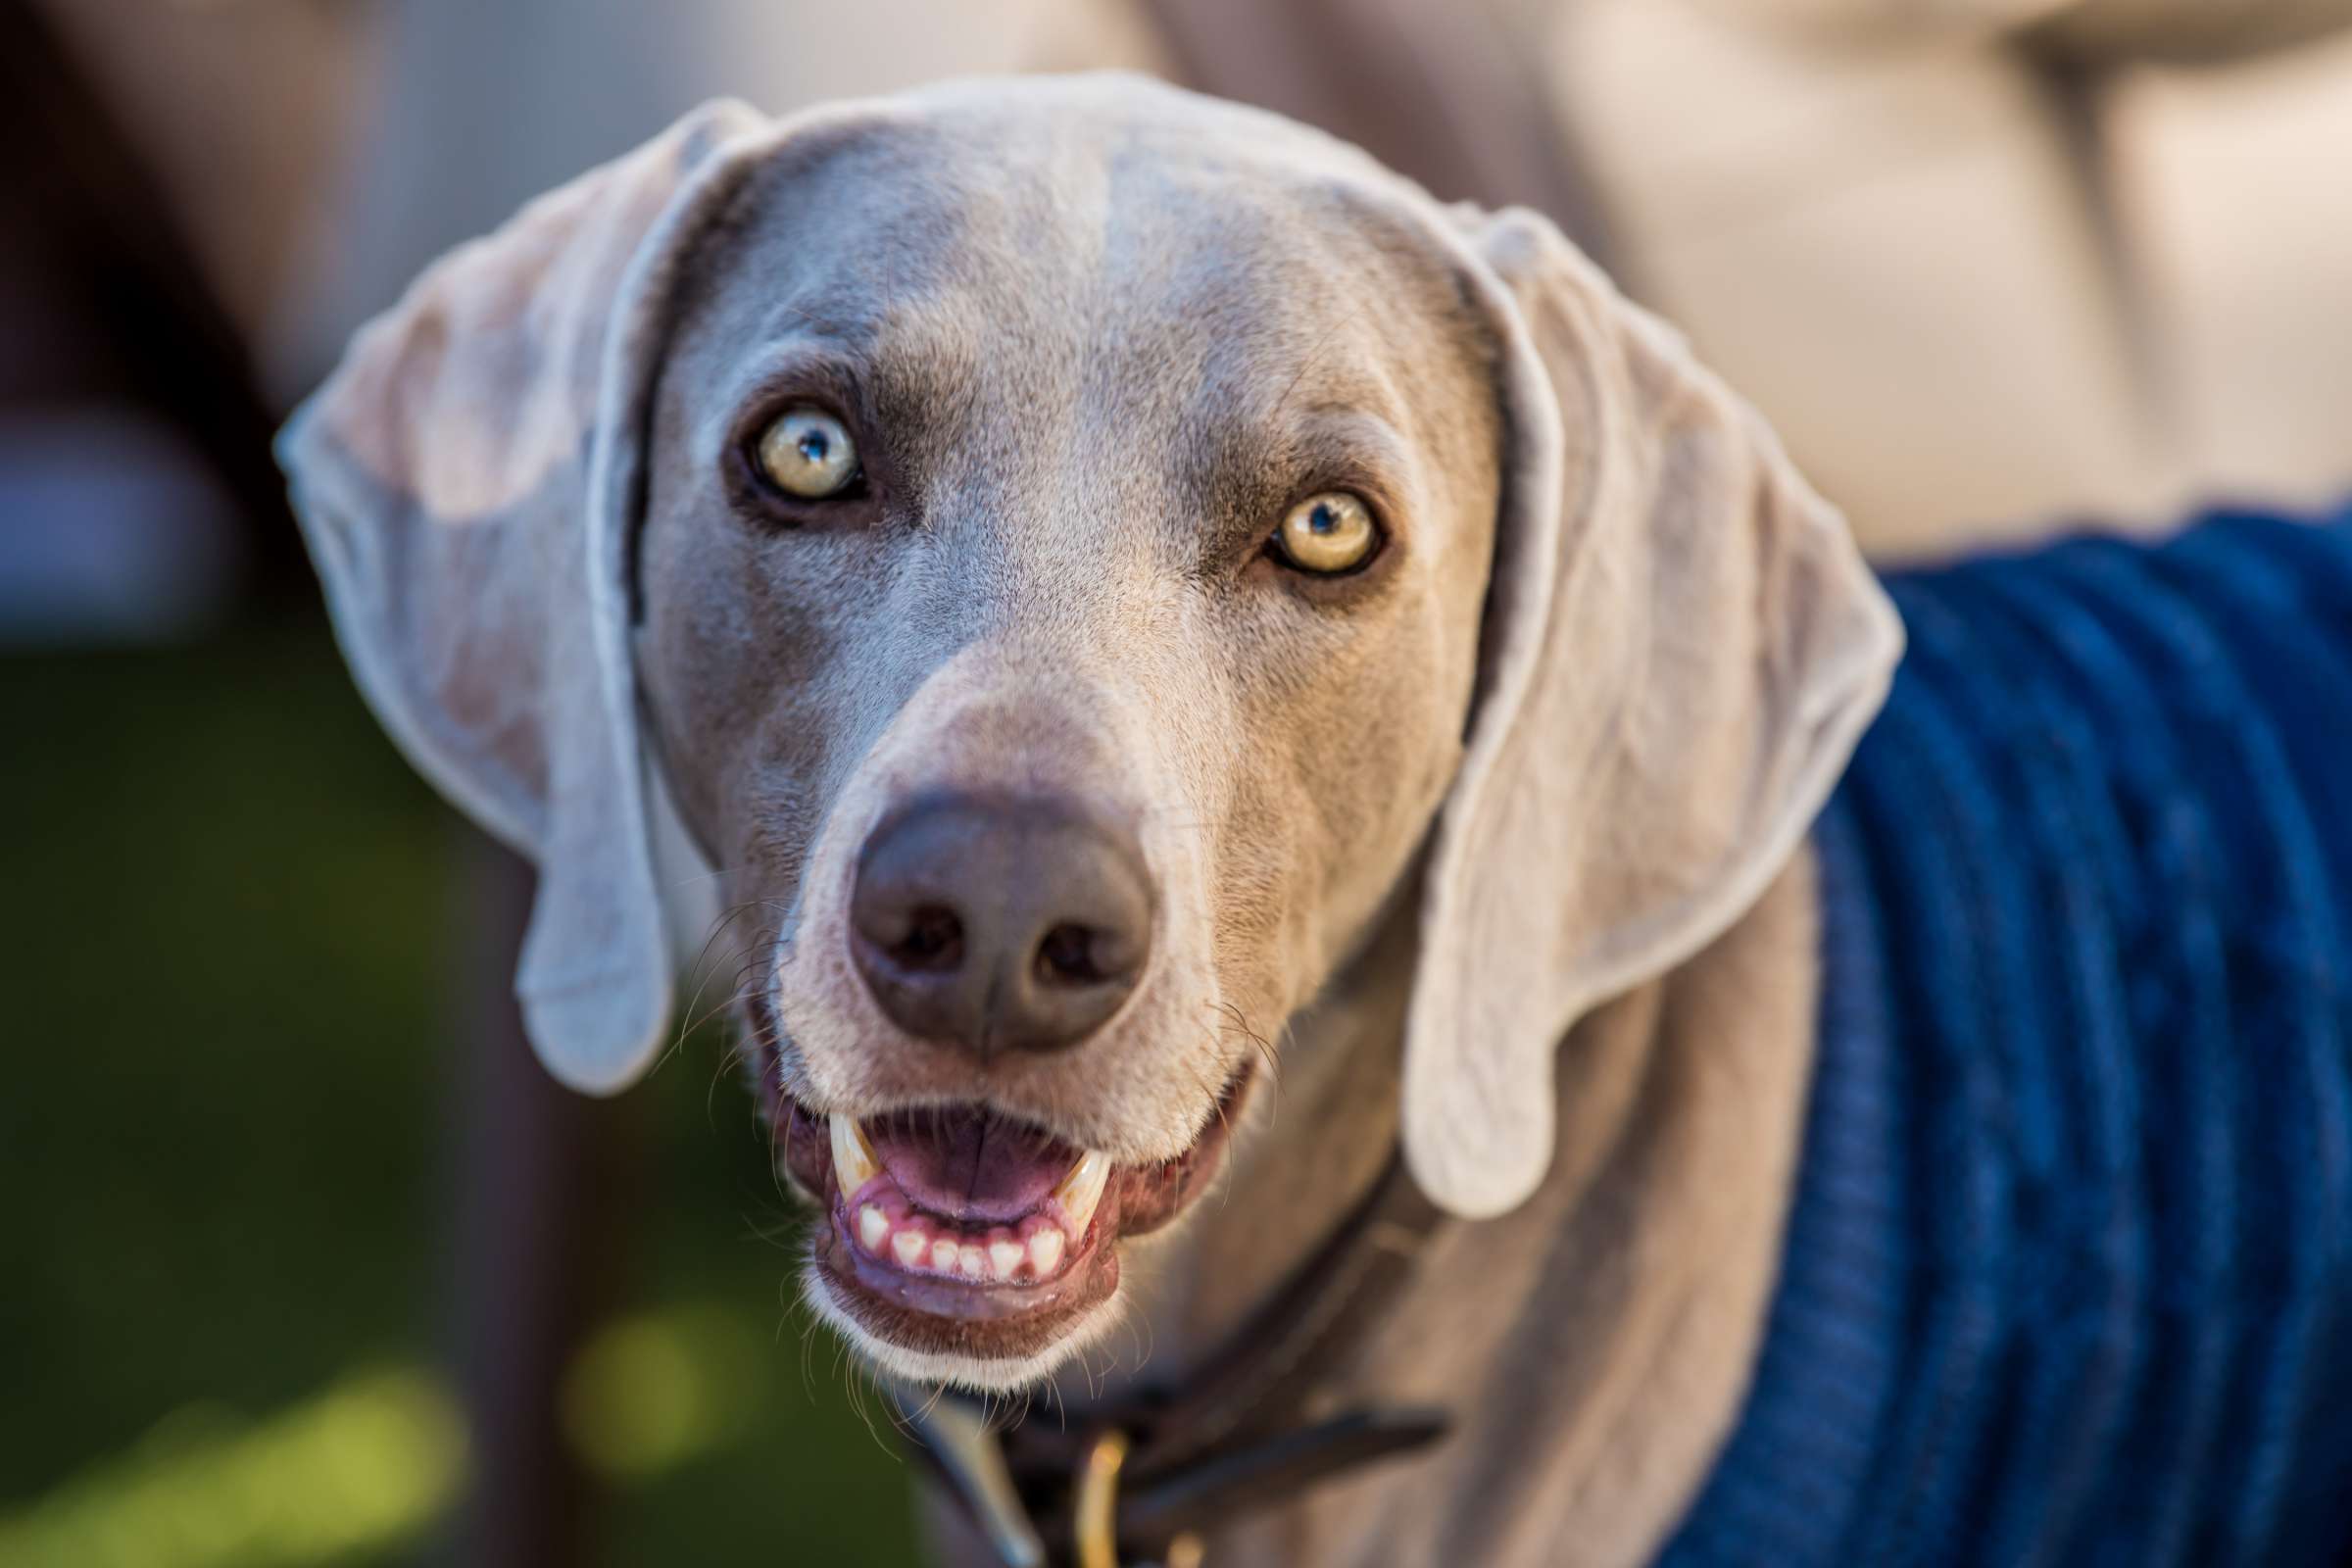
x,y
1148,1473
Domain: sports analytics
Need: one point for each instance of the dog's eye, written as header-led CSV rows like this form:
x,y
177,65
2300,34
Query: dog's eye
x,y
1328,534
807,454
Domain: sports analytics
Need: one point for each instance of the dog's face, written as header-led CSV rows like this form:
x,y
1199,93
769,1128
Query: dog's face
x,y
1060,568
1044,536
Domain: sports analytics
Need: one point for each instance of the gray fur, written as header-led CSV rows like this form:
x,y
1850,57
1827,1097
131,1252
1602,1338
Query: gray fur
x,y
1548,760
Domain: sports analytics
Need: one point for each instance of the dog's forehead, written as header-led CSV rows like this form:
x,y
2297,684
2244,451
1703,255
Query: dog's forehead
x,y
1085,252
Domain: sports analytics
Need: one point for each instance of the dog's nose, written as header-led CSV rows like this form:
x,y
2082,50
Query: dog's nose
x,y
996,925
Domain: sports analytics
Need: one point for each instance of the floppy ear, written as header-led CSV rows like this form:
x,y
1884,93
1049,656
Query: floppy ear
x,y
466,480
1682,647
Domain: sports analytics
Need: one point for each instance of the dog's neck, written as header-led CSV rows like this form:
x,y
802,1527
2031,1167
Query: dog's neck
x,y
1319,1126
1594,1342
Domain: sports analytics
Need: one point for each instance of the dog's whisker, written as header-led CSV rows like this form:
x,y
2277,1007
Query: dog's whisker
x,y
1137,1328
811,1328
1266,1053
702,876
930,1405
687,1031
902,1420
690,1023
718,926
721,1066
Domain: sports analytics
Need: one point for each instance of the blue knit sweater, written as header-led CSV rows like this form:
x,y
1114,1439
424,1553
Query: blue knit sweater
x,y
2068,1278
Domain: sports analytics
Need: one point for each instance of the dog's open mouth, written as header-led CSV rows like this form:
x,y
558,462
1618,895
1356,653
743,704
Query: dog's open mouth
x,y
955,1231
961,1197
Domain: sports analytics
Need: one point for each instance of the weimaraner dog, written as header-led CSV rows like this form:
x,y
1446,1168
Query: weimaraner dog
x,y
1179,667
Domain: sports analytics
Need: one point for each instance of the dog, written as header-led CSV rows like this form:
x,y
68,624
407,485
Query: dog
x,y
1180,666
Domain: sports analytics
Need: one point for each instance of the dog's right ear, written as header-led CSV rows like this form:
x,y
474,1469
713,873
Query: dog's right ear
x,y
464,481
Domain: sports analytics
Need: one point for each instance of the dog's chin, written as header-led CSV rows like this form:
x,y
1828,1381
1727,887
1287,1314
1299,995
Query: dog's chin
x,y
957,1246
927,1358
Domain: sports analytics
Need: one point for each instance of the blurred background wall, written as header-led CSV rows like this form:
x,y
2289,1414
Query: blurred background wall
x,y
308,1264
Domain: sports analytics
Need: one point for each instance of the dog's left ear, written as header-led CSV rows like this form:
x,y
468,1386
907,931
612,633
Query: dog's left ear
x,y
1682,647
466,481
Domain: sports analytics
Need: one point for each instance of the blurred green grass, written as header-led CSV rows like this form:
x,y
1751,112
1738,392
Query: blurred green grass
x,y
229,1133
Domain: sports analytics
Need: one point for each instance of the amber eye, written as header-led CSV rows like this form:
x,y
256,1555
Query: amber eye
x,y
806,452
1328,534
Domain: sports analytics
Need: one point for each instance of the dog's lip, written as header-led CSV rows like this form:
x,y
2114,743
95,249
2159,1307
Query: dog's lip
x,y
917,1306
1079,1280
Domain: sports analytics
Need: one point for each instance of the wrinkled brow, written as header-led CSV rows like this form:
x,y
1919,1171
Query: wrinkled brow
x,y
1249,470
896,382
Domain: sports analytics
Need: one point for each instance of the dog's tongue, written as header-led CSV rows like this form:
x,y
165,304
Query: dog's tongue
x,y
966,1164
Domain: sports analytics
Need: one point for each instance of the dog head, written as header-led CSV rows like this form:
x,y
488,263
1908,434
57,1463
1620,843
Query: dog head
x,y
1065,553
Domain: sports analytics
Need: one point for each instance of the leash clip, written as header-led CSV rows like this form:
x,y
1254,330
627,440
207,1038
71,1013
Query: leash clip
x,y
1095,1512
958,1438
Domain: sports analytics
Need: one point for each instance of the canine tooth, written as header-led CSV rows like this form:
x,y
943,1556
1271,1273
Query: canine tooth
x,y
854,1162
1006,1256
908,1244
1044,1251
943,1255
1082,1189
971,1260
873,1227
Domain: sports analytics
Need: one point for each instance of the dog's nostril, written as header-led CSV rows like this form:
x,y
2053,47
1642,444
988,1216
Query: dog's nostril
x,y
1071,956
934,939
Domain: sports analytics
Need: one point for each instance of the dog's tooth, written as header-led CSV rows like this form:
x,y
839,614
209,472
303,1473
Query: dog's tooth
x,y
971,1260
1044,1251
908,1246
943,1254
1004,1256
1082,1189
854,1162
874,1228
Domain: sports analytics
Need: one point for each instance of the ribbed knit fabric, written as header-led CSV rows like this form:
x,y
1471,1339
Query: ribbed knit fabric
x,y
2068,1278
